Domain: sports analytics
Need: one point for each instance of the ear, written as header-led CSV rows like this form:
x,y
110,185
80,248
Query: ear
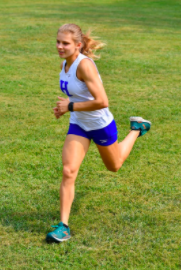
x,y
79,45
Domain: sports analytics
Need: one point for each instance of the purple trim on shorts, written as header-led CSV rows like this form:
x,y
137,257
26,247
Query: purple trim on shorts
x,y
104,136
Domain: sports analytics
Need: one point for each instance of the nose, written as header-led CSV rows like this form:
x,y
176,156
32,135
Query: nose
x,y
59,45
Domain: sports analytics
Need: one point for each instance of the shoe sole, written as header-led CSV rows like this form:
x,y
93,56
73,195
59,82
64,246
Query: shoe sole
x,y
57,240
138,119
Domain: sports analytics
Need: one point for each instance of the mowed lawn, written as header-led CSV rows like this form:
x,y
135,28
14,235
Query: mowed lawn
x,y
125,220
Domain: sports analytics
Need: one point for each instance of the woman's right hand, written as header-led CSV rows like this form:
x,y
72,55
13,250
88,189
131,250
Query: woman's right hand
x,y
57,112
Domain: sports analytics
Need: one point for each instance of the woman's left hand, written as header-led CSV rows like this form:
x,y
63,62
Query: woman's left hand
x,y
62,104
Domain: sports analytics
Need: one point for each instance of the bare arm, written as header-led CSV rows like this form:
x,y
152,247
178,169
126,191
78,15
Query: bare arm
x,y
87,73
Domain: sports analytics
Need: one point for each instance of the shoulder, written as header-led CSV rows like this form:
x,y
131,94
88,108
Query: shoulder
x,y
86,63
86,68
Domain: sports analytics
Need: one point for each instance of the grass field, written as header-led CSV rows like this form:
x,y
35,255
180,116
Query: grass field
x,y
125,220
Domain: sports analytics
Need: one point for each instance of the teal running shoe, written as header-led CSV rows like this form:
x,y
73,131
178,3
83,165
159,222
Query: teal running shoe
x,y
138,123
60,234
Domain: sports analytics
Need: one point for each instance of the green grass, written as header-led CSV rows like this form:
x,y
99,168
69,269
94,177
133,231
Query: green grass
x,y
125,220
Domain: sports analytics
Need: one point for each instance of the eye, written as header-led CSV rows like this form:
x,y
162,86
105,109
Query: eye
x,y
58,42
65,43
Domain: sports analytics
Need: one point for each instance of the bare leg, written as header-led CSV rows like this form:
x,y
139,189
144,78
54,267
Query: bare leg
x,y
115,154
126,145
74,151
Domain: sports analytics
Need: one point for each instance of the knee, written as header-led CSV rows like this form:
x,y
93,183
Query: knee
x,y
68,172
114,168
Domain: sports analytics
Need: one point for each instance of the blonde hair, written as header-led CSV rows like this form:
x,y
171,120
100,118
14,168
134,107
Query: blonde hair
x,y
89,45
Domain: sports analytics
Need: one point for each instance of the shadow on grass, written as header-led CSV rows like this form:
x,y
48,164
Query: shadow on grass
x,y
39,221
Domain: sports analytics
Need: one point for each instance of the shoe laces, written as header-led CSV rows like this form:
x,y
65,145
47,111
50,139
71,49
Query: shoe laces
x,y
54,226
58,228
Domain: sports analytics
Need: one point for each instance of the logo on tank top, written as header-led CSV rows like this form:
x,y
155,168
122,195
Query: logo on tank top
x,y
63,87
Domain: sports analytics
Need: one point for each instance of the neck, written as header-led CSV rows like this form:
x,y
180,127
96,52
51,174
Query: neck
x,y
71,59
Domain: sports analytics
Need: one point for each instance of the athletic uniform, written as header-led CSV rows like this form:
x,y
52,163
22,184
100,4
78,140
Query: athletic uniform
x,y
98,125
86,124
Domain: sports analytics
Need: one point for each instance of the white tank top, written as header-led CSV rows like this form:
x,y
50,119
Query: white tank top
x,y
77,91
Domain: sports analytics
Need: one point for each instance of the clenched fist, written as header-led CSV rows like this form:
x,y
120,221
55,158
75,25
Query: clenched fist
x,y
57,113
62,105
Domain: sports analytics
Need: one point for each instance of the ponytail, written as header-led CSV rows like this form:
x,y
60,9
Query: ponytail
x,y
90,46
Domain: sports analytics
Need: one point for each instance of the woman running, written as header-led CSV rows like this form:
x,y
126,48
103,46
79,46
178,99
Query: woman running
x,y
90,118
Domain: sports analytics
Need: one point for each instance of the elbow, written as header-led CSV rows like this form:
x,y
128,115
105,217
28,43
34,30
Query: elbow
x,y
104,104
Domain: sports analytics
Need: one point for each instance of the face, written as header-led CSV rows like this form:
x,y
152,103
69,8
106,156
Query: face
x,y
66,46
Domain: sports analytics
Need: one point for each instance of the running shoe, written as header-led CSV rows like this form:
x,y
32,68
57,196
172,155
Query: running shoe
x,y
138,123
60,234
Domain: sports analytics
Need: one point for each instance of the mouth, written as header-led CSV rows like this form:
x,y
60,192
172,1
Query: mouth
x,y
60,52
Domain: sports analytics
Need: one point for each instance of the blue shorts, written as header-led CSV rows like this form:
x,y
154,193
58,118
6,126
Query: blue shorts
x,y
104,136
